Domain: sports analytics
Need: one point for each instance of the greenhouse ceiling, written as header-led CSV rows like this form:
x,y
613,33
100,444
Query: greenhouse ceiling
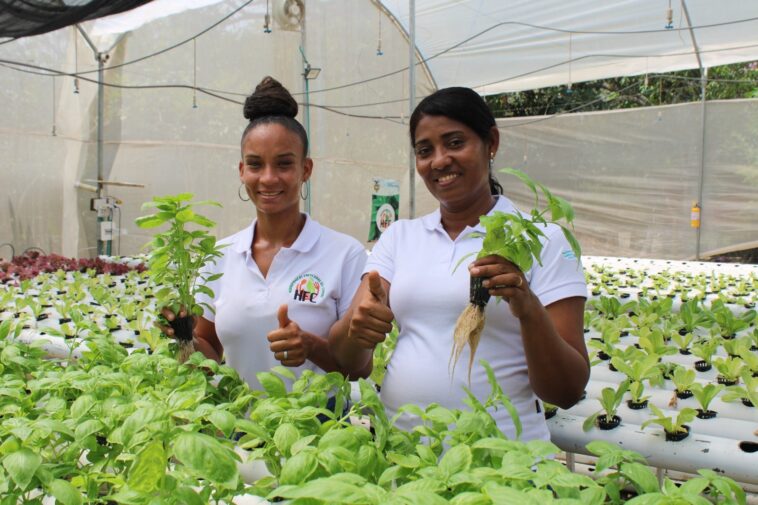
x,y
497,46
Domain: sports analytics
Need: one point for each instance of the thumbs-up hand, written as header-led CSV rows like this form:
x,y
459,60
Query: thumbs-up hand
x,y
288,342
372,317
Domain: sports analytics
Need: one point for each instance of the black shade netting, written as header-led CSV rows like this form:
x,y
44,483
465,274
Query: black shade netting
x,y
21,18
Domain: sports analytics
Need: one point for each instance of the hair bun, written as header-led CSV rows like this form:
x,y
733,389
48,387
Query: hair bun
x,y
270,98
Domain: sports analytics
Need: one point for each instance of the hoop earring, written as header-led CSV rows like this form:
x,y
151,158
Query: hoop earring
x,y
307,191
239,194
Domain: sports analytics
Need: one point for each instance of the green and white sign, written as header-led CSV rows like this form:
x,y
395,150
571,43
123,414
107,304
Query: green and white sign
x,y
385,206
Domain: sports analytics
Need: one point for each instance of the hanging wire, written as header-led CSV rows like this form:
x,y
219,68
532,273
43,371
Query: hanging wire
x,y
267,19
194,73
669,17
54,134
379,51
76,63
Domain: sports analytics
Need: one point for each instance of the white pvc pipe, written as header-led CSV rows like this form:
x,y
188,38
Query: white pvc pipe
x,y
251,470
689,455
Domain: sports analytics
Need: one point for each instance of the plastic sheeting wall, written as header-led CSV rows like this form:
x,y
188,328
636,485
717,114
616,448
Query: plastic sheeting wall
x,y
632,175
155,137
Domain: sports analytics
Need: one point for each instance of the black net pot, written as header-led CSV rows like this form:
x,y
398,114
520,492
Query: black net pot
x,y
182,327
550,413
685,352
602,355
726,382
605,424
683,395
702,366
636,405
706,414
747,403
679,435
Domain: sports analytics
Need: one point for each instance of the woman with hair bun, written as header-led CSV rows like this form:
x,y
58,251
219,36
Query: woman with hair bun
x,y
286,279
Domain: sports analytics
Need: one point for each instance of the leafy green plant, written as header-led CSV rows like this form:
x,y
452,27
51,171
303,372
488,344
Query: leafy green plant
x,y
637,372
671,424
683,341
177,255
729,368
683,378
653,342
705,349
747,392
610,399
690,492
617,469
382,354
729,323
518,238
705,394
612,307
693,316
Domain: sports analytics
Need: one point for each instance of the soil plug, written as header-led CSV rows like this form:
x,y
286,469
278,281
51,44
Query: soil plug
x,y
182,327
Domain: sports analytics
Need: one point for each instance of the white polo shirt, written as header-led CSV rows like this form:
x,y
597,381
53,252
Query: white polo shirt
x,y
417,258
316,277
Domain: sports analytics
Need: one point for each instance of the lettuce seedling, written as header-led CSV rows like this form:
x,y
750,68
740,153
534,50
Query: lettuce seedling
x,y
748,393
670,424
518,238
705,394
610,399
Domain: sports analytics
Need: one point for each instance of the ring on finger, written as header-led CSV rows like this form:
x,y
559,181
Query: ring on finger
x,y
285,355
520,282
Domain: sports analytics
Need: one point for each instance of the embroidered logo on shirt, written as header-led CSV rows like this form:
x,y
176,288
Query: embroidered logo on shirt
x,y
306,288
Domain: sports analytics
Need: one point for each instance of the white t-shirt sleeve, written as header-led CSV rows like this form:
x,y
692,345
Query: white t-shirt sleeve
x,y
351,278
382,257
561,274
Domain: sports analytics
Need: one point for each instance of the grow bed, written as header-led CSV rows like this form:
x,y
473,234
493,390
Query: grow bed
x,y
340,461
648,302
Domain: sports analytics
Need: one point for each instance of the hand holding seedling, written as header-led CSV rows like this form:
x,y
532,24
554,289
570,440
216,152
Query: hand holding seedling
x,y
372,318
169,315
503,278
289,343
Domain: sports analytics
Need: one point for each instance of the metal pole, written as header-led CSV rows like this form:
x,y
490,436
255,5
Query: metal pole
x,y
307,111
103,246
703,82
411,104
307,203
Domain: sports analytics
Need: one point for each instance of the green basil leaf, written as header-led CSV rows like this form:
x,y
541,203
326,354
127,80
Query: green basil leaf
x,y
148,468
284,436
207,458
21,466
223,420
64,492
273,385
457,459
298,468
